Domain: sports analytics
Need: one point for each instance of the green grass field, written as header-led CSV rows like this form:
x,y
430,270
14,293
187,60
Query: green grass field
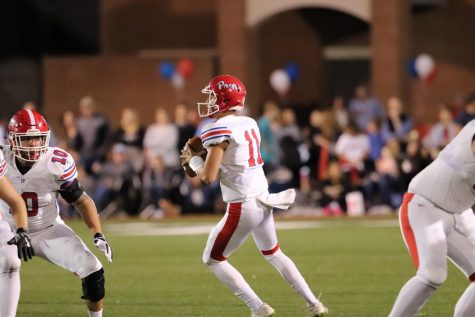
x,y
358,265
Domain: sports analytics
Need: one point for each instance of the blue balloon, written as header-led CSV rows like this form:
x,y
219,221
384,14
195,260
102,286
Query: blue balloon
x,y
293,69
411,68
167,69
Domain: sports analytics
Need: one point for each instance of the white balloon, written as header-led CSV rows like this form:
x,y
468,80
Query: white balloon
x,y
424,65
178,81
280,81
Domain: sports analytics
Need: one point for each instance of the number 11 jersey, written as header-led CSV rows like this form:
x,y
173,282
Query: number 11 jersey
x,y
241,174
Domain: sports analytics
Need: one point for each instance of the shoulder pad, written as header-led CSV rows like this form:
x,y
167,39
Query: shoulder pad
x,y
62,165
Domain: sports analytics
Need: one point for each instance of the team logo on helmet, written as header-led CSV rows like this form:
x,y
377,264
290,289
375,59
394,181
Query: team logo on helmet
x,y
231,86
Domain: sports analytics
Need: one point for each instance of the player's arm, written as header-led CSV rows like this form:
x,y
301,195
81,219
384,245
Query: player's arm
x,y
74,194
18,207
208,172
16,203
87,208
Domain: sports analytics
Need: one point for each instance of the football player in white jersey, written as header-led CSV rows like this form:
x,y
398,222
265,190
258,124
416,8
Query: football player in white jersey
x,y
437,222
40,173
233,144
9,257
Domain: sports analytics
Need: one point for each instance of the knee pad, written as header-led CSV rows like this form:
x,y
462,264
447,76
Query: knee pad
x,y
9,261
93,286
433,276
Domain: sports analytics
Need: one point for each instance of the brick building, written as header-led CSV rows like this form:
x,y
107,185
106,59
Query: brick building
x,y
336,43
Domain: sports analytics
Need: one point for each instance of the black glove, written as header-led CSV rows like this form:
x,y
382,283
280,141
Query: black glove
x,y
101,243
23,243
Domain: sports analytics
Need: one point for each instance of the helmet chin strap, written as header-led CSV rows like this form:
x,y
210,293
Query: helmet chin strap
x,y
23,162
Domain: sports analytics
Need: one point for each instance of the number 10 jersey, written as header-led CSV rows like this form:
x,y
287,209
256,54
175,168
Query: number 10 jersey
x,y
40,186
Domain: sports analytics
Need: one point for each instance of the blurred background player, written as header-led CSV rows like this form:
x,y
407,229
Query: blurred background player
x,y
40,173
233,144
437,222
9,257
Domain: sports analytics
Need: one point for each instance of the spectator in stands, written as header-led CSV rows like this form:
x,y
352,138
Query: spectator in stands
x,y
185,129
363,108
340,113
118,186
157,181
268,124
93,131
131,133
289,140
414,160
318,137
467,114
441,132
389,183
334,188
161,139
353,148
191,196
376,140
396,124
69,137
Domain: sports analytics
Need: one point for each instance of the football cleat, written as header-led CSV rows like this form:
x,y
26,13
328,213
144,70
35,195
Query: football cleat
x,y
318,309
263,311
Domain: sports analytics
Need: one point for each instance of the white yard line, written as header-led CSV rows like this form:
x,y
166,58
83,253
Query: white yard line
x,y
170,229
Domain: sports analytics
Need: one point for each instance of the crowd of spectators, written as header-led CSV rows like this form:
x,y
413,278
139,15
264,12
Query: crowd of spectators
x,y
341,158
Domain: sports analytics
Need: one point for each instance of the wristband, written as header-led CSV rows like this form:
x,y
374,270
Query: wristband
x,y
195,163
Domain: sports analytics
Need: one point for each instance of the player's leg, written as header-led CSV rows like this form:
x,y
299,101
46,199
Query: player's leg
x,y
227,236
423,227
9,273
266,240
461,251
61,246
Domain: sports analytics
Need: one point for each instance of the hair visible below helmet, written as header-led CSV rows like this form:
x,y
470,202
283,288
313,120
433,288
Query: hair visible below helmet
x,y
225,92
25,125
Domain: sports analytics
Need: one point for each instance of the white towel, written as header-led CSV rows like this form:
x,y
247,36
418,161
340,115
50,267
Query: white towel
x,y
281,200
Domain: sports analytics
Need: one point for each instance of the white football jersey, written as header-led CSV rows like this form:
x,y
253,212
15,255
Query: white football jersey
x,y
40,186
449,181
241,174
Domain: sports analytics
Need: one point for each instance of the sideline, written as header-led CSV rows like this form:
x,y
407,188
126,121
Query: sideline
x,y
180,228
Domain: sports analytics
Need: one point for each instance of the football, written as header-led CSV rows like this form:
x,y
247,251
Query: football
x,y
196,146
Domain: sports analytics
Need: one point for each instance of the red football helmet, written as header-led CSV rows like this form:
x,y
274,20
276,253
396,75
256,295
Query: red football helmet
x,y
225,92
28,134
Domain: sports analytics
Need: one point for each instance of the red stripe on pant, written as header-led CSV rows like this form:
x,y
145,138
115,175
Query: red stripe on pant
x,y
407,230
271,251
222,240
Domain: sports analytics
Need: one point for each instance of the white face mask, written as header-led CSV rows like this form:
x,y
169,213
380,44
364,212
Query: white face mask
x,y
209,107
29,146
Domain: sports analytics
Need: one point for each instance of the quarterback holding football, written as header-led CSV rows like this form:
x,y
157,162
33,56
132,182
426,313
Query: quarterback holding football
x,y
40,173
233,156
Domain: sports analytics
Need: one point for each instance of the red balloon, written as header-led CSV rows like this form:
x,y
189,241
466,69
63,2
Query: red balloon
x,y
185,67
431,76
